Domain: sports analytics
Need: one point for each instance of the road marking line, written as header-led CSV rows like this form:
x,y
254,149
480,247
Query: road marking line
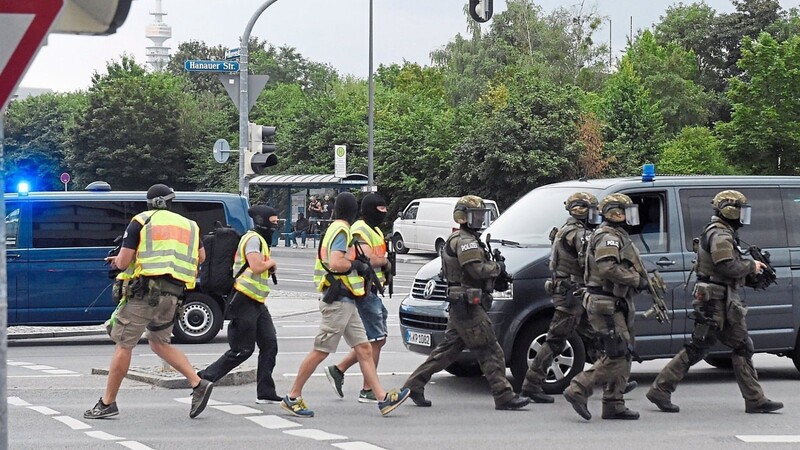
x,y
273,422
16,401
40,367
755,438
237,409
103,436
357,445
44,410
59,371
211,402
317,435
296,281
42,376
353,374
134,445
18,363
75,424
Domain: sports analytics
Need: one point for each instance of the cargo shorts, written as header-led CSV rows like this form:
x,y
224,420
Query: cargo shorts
x,y
136,316
339,319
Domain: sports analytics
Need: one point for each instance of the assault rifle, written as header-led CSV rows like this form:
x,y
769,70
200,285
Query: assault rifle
x,y
370,278
767,276
657,289
503,281
391,255
113,272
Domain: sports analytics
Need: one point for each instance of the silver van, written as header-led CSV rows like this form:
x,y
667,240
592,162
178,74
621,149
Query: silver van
x,y
673,210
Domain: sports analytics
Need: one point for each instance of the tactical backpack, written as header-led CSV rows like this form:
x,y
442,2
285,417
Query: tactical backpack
x,y
216,272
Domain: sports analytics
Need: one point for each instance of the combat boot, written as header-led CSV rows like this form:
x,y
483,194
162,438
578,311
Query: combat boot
x,y
663,401
418,397
611,413
767,407
515,403
578,405
538,397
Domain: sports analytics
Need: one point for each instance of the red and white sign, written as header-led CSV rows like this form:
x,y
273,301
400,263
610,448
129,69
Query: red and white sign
x,y
23,27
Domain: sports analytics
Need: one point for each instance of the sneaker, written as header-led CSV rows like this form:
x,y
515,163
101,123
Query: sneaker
x,y
274,398
101,410
296,407
393,399
294,246
303,246
200,395
336,377
367,396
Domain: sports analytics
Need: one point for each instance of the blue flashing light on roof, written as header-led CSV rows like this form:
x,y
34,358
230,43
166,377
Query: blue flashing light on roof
x,y
23,188
648,172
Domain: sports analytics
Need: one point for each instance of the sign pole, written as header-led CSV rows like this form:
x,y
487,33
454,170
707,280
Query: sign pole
x,y
3,299
244,110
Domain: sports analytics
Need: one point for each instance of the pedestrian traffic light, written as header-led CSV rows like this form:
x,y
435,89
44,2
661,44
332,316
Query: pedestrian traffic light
x,y
480,10
260,152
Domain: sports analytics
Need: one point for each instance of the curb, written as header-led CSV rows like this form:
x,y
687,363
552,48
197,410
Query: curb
x,y
171,379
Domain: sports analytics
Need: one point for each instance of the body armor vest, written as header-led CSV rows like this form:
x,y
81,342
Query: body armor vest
x,y
565,260
706,270
627,252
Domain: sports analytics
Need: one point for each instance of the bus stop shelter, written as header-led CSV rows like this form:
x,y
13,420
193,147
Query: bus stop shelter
x,y
285,184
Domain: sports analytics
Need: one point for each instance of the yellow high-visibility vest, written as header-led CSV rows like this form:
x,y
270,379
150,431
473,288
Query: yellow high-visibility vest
x,y
352,281
374,238
168,245
248,283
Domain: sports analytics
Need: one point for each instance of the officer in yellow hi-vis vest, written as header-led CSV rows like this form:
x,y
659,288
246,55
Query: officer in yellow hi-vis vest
x,y
251,323
340,278
373,314
164,250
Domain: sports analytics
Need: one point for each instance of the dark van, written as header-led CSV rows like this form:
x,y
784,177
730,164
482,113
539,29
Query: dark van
x,y
56,243
673,210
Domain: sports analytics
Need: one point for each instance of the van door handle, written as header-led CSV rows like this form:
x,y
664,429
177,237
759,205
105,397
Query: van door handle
x,y
13,256
665,262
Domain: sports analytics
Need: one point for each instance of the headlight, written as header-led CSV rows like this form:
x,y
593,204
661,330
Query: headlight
x,y
508,294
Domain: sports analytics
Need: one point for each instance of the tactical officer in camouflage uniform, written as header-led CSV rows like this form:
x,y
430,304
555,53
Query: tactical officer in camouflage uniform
x,y
470,275
719,312
567,260
611,282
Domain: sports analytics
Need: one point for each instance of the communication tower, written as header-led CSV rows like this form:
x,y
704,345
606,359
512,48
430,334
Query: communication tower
x,y
158,32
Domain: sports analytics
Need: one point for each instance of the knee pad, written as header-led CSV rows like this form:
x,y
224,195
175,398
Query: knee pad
x,y
557,345
745,348
695,353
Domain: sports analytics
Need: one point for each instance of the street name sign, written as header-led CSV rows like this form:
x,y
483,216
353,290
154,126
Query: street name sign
x,y
210,66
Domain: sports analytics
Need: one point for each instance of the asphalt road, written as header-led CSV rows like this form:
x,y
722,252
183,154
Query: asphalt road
x,y
50,385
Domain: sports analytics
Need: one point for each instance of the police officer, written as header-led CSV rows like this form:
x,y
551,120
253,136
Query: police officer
x,y
718,308
163,249
470,274
250,321
567,259
611,282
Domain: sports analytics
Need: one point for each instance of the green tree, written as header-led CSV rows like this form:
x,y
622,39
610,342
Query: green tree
x,y
764,131
695,151
37,130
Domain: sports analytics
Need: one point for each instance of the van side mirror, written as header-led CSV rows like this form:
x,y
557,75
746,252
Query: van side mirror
x,y
399,214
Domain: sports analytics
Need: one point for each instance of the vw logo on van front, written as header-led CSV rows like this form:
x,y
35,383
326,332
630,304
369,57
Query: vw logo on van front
x,y
430,286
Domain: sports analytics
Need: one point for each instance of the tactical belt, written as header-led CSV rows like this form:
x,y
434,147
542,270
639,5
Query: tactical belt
x,y
712,280
596,290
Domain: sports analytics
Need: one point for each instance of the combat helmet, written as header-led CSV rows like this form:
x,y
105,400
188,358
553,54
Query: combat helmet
x,y
471,211
582,206
732,206
619,208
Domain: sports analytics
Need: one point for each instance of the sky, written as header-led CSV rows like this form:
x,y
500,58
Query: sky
x,y
329,31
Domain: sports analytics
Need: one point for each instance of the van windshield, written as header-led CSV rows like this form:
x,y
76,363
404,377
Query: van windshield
x,y
530,219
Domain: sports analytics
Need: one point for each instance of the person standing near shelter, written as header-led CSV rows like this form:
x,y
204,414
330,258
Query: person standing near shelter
x,y
470,275
369,238
339,275
719,313
611,282
250,321
163,249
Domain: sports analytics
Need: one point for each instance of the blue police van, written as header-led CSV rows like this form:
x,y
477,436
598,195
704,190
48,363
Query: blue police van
x,y
56,243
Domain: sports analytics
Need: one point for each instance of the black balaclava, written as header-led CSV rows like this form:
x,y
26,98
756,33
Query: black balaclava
x,y
345,208
369,209
261,215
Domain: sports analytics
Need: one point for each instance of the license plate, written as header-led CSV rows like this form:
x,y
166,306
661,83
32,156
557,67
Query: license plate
x,y
423,339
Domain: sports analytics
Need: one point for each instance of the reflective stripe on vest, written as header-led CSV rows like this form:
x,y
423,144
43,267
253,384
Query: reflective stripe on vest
x,y
248,283
374,238
168,245
353,282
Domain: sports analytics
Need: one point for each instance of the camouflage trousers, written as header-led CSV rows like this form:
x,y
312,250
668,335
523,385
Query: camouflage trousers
x,y
468,327
728,326
564,322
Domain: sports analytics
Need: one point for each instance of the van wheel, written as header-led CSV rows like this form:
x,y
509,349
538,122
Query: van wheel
x,y
720,362
438,245
399,245
466,370
565,366
200,320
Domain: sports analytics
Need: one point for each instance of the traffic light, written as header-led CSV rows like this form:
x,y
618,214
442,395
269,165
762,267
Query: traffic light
x,y
480,10
260,152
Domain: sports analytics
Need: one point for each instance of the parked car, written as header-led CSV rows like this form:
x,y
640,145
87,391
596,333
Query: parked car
x,y
673,210
426,223
56,244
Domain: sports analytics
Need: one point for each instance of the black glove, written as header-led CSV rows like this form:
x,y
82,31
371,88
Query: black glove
x,y
360,267
502,266
644,284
